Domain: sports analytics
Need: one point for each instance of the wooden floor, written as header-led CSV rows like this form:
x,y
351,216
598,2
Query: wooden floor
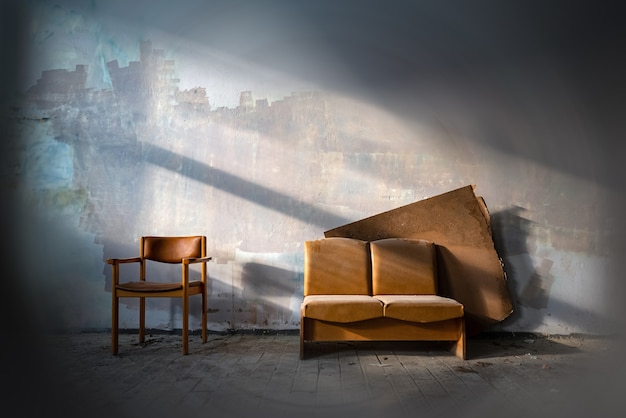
x,y
243,375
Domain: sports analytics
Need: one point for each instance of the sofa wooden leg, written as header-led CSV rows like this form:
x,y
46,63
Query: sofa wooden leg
x,y
459,350
459,346
301,338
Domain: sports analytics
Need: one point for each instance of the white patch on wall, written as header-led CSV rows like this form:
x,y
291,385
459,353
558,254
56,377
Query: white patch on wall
x,y
48,164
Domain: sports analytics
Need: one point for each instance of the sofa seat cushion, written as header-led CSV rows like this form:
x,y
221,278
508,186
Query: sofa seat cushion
x,y
341,308
420,308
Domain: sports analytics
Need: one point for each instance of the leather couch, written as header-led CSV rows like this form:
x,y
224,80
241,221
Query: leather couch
x,y
383,290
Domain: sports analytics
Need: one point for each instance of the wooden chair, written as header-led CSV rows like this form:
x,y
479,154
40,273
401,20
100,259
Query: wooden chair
x,y
173,250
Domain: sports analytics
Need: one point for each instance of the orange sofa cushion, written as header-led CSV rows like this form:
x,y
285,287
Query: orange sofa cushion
x,y
420,308
403,266
341,308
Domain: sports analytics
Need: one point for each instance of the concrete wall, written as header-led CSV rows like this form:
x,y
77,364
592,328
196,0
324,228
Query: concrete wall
x,y
262,124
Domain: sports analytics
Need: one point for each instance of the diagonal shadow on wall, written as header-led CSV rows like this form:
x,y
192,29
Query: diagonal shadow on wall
x,y
235,185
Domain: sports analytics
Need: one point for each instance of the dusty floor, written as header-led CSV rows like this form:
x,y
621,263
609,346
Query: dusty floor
x,y
261,375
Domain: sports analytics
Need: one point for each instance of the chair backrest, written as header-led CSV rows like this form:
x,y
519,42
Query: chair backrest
x,y
172,249
403,266
337,266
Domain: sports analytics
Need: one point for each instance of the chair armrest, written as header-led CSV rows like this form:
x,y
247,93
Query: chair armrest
x,y
196,260
114,261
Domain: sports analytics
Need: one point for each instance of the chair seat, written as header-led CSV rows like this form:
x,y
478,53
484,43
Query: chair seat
x,y
145,286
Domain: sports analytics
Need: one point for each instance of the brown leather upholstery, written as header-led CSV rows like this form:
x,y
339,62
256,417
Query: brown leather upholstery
x,y
403,266
341,308
337,266
154,287
420,308
171,249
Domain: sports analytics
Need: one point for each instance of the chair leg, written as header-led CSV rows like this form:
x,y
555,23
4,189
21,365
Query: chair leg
x,y
114,323
142,320
185,325
204,317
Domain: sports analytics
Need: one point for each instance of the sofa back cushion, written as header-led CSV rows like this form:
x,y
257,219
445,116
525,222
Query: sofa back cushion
x,y
337,266
403,266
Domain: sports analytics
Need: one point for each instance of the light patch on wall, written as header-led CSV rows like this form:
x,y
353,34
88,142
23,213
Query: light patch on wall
x,y
572,295
46,163
268,288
